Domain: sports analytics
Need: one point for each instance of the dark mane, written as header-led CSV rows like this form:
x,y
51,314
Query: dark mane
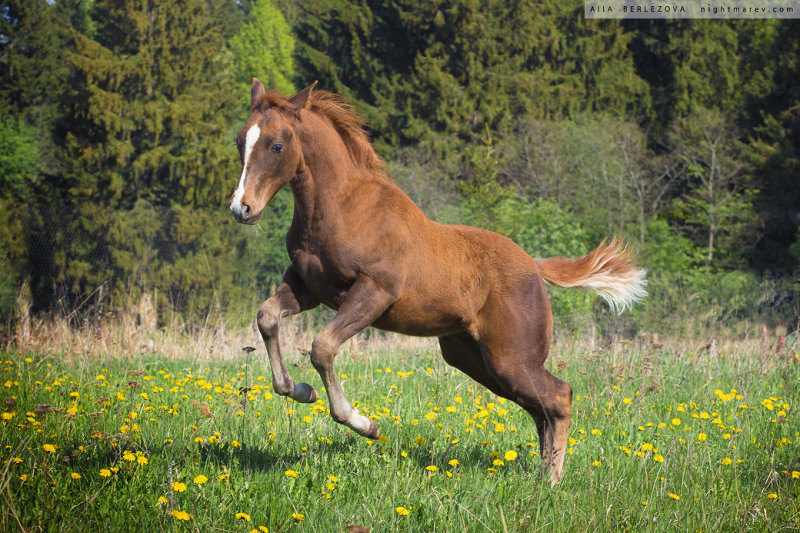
x,y
344,119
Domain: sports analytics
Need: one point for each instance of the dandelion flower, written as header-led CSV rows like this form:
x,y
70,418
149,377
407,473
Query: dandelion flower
x,y
8,416
75,475
676,421
128,456
263,529
597,463
199,480
177,486
701,437
243,516
290,473
181,515
510,455
454,462
658,458
142,460
772,496
49,448
431,468
674,496
161,500
597,432
402,511
105,472
224,477
726,461
795,474
297,516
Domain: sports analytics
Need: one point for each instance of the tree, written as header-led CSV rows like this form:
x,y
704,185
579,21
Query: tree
x,y
718,203
264,48
148,140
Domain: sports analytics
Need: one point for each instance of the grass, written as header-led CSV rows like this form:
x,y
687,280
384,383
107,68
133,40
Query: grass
x,y
661,440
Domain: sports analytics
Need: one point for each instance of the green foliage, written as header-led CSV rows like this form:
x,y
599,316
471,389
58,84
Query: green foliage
x,y
264,48
19,158
151,105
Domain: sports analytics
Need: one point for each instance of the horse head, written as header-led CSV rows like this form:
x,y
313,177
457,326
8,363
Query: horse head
x,y
269,150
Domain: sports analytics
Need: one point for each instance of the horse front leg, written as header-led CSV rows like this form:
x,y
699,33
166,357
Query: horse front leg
x,y
291,298
365,302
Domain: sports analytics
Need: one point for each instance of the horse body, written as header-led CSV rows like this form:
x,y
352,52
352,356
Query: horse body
x,y
359,245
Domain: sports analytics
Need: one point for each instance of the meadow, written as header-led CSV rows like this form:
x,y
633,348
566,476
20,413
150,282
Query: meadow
x,y
667,438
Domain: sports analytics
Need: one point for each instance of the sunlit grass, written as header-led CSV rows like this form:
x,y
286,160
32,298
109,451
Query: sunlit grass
x,y
659,441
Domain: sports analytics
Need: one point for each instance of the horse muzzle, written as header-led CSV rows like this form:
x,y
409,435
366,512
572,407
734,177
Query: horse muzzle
x,y
243,214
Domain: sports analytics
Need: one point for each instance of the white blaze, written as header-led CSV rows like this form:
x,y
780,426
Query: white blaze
x,y
250,141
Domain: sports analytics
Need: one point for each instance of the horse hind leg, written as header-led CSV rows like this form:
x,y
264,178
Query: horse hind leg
x,y
518,367
553,418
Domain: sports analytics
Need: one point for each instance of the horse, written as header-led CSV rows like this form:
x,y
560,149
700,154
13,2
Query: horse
x,y
359,245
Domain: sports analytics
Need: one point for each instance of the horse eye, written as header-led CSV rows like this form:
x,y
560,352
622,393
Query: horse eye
x,y
277,147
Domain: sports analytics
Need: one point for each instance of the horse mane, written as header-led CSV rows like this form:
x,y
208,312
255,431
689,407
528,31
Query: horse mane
x,y
345,120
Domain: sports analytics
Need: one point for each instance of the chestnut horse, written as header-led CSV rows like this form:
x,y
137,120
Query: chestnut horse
x,y
359,245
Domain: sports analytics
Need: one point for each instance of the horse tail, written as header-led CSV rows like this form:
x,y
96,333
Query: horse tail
x,y
608,270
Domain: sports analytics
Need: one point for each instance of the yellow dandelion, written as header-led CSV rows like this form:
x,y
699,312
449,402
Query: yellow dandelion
x,y
297,516
597,463
161,500
263,529
431,468
676,421
177,486
726,461
597,432
658,458
772,496
142,460
402,511
701,437
49,448
75,475
454,462
627,401
181,515
224,477
498,462
8,416
128,456
105,472
290,473
795,474
510,455
199,480
674,496
243,516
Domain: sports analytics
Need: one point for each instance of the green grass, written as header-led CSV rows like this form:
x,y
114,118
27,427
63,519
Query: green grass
x,y
626,401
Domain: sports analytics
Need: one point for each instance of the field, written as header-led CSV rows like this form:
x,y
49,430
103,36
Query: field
x,y
662,439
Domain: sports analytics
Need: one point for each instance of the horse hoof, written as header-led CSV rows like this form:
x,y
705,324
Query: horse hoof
x,y
304,393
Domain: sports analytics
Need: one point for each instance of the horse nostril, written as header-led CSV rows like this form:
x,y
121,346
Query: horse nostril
x,y
245,209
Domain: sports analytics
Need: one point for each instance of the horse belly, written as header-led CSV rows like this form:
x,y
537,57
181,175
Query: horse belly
x,y
424,318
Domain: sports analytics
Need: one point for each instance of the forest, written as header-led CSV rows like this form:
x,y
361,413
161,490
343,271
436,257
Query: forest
x,y
117,154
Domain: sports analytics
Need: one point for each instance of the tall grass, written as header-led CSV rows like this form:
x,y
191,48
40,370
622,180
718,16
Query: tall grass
x,y
676,438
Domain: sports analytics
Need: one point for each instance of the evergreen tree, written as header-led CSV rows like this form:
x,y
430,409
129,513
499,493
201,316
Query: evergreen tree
x,y
264,48
147,141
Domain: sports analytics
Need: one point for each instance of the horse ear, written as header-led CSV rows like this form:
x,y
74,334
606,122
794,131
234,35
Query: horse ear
x,y
303,98
256,92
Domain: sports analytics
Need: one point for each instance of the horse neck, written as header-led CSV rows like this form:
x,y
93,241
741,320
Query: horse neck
x,y
328,176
